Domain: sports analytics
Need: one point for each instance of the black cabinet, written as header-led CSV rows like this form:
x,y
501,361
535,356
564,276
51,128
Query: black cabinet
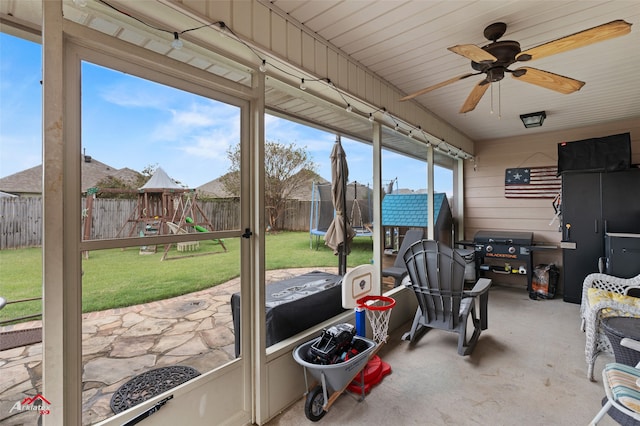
x,y
622,254
592,205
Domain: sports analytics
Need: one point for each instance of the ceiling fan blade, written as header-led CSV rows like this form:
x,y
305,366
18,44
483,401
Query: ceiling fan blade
x,y
437,86
583,38
548,80
473,52
475,96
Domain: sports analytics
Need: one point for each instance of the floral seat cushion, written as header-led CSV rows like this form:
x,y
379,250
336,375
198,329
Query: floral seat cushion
x,y
596,295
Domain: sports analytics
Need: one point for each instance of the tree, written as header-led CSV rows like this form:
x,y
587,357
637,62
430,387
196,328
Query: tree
x,y
147,172
288,168
113,187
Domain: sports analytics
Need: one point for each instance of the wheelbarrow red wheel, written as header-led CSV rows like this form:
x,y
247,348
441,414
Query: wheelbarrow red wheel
x,y
313,406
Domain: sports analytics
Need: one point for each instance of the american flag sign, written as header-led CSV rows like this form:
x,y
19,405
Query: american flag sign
x,y
532,182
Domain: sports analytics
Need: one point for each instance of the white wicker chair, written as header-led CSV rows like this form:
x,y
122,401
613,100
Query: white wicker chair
x,y
596,340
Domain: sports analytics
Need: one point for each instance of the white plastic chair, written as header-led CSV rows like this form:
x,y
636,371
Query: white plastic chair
x,y
622,386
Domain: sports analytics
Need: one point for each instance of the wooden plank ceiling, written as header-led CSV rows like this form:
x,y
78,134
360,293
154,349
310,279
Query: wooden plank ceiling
x,y
406,44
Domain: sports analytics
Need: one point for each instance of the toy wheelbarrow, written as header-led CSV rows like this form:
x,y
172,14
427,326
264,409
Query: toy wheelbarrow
x,y
333,378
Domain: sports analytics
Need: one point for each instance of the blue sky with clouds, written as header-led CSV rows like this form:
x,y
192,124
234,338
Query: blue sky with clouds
x,y
135,123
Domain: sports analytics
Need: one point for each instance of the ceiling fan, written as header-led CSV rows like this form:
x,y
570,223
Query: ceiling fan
x,y
495,58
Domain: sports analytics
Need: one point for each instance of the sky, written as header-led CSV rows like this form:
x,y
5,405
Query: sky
x,y
131,122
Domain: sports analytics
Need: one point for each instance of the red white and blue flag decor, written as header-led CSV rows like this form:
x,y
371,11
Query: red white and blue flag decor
x,y
532,182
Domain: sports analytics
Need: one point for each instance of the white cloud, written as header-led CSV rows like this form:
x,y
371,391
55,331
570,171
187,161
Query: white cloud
x,y
197,118
202,133
212,145
191,118
286,132
133,94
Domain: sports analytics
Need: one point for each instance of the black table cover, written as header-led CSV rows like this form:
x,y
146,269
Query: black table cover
x,y
295,304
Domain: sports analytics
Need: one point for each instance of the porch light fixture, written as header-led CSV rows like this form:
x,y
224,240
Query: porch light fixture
x,y
534,119
176,43
223,29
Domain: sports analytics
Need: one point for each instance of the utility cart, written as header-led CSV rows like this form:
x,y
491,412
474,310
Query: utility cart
x,y
333,379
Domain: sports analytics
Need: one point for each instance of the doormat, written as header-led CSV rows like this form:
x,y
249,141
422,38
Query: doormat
x,y
18,338
149,384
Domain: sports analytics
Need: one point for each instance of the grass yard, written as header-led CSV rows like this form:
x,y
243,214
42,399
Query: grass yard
x,y
116,278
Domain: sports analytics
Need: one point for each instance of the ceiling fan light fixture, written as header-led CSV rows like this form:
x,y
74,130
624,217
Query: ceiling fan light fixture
x,y
534,119
495,58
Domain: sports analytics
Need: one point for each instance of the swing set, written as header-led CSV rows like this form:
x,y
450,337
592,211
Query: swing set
x,y
162,209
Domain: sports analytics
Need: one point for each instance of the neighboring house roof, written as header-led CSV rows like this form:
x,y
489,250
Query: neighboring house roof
x,y
93,171
411,209
304,193
216,189
126,175
29,181
160,180
6,195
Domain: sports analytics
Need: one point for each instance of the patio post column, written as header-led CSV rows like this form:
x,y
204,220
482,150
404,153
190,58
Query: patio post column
x,y
62,264
430,190
377,203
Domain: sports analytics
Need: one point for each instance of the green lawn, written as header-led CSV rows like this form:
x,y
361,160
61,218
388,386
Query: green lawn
x,y
116,278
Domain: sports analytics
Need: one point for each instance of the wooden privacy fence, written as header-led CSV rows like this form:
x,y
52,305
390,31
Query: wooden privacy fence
x,y
21,218
20,222
295,216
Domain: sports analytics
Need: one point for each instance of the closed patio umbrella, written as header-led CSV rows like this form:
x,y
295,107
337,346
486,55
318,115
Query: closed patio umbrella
x,y
340,233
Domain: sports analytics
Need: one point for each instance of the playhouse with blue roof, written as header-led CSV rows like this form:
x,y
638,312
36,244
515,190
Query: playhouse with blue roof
x,y
410,211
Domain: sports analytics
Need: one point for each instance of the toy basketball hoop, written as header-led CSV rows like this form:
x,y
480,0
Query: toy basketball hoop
x,y
378,310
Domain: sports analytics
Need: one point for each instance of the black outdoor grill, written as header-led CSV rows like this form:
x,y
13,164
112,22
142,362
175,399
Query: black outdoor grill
x,y
504,252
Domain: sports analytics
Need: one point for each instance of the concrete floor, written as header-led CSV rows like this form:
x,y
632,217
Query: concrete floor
x,y
527,369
